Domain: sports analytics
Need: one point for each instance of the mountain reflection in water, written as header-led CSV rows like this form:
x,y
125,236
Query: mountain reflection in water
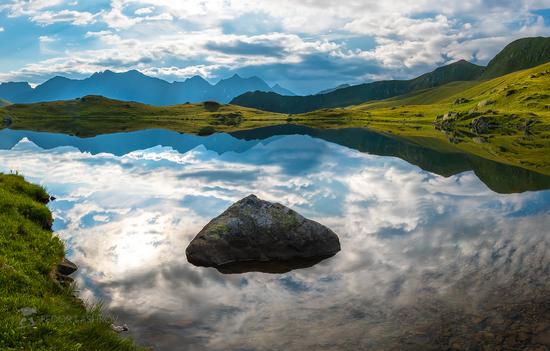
x,y
428,262
498,177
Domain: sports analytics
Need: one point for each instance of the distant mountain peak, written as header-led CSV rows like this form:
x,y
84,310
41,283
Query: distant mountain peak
x,y
341,86
133,85
277,88
236,78
135,72
58,78
460,63
196,78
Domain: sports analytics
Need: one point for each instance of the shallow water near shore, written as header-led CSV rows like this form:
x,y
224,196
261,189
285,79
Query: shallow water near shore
x,y
439,250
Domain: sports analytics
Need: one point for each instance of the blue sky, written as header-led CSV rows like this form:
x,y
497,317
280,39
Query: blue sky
x,y
306,45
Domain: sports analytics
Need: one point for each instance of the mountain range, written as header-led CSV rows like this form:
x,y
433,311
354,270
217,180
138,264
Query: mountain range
x,y
255,93
135,86
341,86
521,54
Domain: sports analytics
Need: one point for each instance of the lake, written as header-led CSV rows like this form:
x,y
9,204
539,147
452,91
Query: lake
x,y
440,249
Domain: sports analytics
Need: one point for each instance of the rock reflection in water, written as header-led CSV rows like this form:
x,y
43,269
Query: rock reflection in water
x,y
272,267
427,262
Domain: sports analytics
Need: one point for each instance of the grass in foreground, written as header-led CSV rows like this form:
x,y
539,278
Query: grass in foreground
x,y
29,252
506,119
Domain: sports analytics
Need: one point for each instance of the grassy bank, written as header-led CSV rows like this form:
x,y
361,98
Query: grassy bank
x,y
93,115
506,119
29,253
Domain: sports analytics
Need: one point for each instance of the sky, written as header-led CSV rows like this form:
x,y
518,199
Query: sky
x,y
305,45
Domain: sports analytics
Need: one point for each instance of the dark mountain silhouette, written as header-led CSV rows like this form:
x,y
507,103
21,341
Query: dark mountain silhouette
x,y
281,91
269,101
521,54
341,86
226,89
134,86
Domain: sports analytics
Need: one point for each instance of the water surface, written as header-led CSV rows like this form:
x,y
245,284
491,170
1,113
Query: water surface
x,y
439,250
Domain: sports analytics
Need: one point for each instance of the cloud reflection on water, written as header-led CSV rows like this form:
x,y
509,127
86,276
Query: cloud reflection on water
x,y
415,246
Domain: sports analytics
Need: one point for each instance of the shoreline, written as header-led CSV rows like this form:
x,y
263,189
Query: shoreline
x,y
40,309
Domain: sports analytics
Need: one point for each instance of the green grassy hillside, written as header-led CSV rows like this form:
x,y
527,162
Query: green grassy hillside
x,y
505,119
92,115
521,54
4,102
458,71
29,252
425,96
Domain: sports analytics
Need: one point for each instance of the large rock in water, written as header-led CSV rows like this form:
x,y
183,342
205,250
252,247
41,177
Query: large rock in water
x,y
257,235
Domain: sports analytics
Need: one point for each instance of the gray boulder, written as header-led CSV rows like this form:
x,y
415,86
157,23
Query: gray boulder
x,y
63,270
257,235
66,267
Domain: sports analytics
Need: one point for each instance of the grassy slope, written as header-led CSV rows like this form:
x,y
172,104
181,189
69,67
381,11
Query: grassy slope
x,y
28,253
96,115
520,54
424,97
4,102
519,98
357,94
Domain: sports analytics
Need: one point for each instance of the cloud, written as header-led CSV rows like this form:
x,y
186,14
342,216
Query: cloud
x,y
1,29
200,52
17,8
117,18
144,11
406,38
74,17
246,49
98,34
46,39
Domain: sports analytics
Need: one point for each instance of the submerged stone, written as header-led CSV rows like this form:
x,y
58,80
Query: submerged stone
x,y
257,235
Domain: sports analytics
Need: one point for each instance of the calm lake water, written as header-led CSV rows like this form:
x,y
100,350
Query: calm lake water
x,y
440,250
